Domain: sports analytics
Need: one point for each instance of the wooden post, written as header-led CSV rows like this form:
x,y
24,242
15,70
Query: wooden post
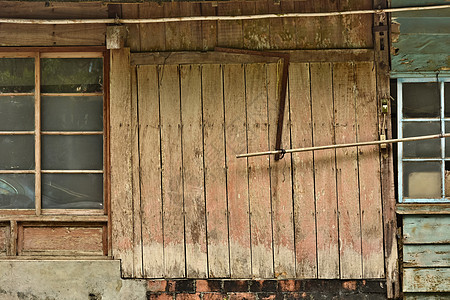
x,y
121,164
381,46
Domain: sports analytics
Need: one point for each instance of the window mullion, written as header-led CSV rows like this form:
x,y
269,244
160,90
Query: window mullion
x,y
400,135
37,135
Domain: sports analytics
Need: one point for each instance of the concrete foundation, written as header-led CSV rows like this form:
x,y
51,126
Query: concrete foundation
x,y
72,280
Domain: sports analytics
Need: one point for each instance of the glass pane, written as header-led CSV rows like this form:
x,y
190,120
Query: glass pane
x,y
72,113
17,152
447,140
447,99
16,113
73,152
16,75
422,180
16,191
426,148
421,100
82,191
71,75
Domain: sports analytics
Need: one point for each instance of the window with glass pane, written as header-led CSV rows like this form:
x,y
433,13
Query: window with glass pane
x,y
52,131
424,166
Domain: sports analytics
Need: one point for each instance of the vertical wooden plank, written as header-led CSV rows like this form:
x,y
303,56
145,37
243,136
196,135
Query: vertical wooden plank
x,y
190,32
237,176
131,11
137,220
172,181
193,179
150,172
153,36
258,171
209,28
308,35
280,182
303,171
347,171
255,32
121,165
229,33
325,171
283,31
173,40
215,171
381,47
369,172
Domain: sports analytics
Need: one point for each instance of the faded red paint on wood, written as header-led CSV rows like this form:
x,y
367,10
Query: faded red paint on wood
x,y
121,165
172,179
302,171
325,171
62,239
150,172
237,178
347,171
153,36
193,183
369,172
280,182
215,171
258,171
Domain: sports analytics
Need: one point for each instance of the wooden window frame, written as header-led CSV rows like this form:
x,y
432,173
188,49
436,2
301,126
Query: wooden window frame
x,y
62,215
441,119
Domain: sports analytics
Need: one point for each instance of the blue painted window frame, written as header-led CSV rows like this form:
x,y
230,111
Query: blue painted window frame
x,y
442,119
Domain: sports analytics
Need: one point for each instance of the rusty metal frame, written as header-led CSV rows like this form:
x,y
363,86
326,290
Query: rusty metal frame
x,y
282,91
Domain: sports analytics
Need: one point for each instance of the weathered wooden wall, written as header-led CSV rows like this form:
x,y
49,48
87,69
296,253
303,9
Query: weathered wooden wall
x,y
201,212
420,39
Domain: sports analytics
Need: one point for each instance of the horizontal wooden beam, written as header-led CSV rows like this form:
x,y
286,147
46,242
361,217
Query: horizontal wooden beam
x,y
211,57
51,218
423,209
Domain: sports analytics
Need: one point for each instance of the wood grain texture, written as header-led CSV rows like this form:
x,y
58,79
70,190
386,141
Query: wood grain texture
x,y
121,164
283,31
229,33
237,172
4,239
190,32
426,255
54,10
426,229
215,171
135,160
280,181
258,171
173,29
426,280
150,172
256,33
153,36
64,239
52,35
209,28
133,39
172,177
303,171
325,171
369,172
193,178
344,87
